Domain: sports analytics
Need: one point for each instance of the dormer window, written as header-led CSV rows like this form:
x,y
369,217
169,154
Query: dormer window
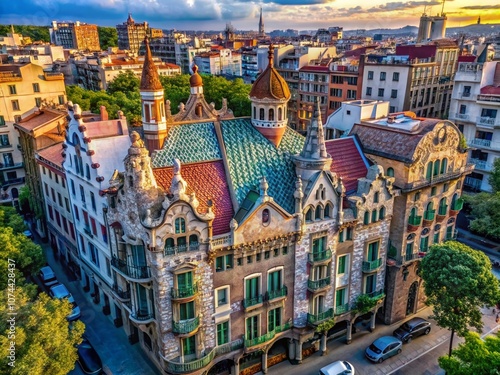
x,y
180,225
266,217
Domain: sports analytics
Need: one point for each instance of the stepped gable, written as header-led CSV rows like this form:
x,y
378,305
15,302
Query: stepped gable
x,y
208,181
251,156
270,84
189,143
392,143
150,80
348,161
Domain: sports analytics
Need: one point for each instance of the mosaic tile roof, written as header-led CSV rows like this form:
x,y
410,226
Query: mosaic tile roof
x,y
189,143
209,181
251,156
347,161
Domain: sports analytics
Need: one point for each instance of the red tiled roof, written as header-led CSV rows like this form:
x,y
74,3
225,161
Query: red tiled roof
x,y
37,119
315,68
53,154
208,181
103,129
348,162
490,90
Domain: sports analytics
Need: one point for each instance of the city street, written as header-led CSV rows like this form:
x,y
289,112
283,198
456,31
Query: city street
x,y
111,343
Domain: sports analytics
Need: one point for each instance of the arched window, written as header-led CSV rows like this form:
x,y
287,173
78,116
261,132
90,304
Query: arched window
x,y
169,244
430,206
444,165
77,169
436,167
413,212
261,114
255,113
271,114
280,114
443,207
266,217
317,214
180,225
366,219
381,214
390,172
374,216
308,214
429,170
376,197
328,210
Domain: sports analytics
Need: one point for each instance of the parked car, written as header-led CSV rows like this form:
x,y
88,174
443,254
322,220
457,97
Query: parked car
x,y
89,360
60,291
382,348
47,276
413,328
337,368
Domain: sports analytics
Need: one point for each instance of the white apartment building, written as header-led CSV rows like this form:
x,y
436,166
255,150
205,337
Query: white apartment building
x,y
94,149
221,62
22,87
475,108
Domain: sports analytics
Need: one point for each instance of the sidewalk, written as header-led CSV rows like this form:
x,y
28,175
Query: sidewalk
x,y
111,343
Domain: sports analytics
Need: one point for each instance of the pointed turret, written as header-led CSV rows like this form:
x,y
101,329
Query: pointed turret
x,y
313,157
154,120
130,20
269,96
261,25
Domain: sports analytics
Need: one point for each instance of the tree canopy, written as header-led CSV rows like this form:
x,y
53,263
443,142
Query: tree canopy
x,y
485,209
494,179
475,356
36,33
458,281
108,37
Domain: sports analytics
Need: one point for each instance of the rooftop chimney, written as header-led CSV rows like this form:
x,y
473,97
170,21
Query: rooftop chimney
x,y
104,113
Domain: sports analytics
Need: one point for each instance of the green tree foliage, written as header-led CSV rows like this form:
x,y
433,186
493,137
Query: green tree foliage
x,y
108,37
485,209
457,282
36,33
44,341
10,218
494,179
475,356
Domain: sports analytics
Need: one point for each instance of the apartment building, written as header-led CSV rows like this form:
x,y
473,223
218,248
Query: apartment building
x,y
475,107
131,34
222,61
75,35
22,87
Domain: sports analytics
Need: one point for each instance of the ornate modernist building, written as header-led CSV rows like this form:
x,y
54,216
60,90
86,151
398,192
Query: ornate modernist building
x,y
236,243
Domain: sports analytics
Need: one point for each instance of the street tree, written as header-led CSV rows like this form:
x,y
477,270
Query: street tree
x,y
458,281
474,356
43,341
485,209
494,179
108,37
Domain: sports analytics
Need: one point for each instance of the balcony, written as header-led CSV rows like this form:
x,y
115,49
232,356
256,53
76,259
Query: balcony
x,y
442,212
315,285
185,327
7,166
122,295
487,121
142,316
268,336
254,301
419,184
171,250
342,309
320,256
187,292
129,271
481,164
372,266
456,207
279,293
488,98
316,319
13,181
429,217
477,142
414,223
187,367
473,183
376,294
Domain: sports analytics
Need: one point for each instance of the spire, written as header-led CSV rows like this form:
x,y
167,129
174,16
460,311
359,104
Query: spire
x,y
314,146
261,24
130,20
150,80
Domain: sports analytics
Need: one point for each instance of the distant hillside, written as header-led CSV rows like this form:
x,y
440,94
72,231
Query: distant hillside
x,y
406,30
475,29
36,33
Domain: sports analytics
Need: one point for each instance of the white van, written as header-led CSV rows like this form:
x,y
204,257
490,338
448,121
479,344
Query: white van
x,y
337,368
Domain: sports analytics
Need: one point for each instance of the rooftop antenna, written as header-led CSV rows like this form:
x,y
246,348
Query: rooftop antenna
x,y
425,8
442,9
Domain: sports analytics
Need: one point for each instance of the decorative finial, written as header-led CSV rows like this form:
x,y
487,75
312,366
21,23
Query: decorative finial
x,y
271,54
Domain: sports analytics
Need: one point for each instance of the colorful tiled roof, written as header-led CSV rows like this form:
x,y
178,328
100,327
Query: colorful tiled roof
x,y
251,156
392,143
348,161
270,84
292,142
189,143
208,180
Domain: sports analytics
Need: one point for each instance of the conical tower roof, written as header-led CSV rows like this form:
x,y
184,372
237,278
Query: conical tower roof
x,y
314,146
150,80
270,84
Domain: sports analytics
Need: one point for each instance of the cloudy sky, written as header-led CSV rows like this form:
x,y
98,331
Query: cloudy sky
x,y
244,15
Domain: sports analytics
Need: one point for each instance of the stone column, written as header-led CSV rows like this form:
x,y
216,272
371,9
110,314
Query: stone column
x,y
372,322
264,363
323,343
291,349
298,351
349,332
235,369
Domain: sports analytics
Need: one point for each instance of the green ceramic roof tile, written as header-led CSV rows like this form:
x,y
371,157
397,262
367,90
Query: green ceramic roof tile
x,y
251,156
189,143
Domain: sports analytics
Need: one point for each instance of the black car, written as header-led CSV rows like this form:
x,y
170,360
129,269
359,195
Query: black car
x,y
412,328
89,360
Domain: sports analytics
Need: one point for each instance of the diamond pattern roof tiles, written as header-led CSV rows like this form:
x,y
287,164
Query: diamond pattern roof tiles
x,y
208,180
189,143
347,161
251,156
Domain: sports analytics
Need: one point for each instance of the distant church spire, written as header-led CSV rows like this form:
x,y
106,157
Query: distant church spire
x,y
261,25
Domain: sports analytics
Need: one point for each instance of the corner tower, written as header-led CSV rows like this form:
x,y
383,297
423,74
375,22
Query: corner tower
x,y
269,96
154,121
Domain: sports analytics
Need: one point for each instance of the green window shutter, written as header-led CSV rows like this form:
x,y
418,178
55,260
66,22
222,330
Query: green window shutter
x,y
436,167
429,170
188,345
339,297
222,333
341,265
